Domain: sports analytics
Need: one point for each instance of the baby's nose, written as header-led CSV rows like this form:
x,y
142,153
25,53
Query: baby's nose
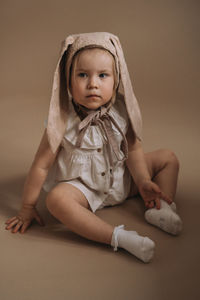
x,y
93,82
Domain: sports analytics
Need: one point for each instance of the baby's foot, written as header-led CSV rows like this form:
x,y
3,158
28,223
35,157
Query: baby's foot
x,y
166,218
141,247
173,206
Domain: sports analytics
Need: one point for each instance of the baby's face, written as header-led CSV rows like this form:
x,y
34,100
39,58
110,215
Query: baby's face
x,y
92,78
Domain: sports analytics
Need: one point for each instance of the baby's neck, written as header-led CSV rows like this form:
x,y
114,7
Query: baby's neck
x,y
83,111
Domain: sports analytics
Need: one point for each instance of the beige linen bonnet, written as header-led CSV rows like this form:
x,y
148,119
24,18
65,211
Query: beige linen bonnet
x,y
58,110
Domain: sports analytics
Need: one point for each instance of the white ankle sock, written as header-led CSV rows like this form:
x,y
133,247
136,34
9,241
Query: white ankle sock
x,y
166,218
140,246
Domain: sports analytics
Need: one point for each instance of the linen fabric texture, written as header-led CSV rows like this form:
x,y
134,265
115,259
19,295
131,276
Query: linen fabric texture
x,y
88,167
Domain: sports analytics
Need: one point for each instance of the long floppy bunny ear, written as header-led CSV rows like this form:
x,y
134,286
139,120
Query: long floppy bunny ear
x,y
130,99
59,100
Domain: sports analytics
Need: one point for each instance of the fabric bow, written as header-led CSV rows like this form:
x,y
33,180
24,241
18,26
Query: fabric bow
x,y
103,119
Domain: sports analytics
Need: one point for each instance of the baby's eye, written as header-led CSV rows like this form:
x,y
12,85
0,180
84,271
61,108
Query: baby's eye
x,y
82,74
103,75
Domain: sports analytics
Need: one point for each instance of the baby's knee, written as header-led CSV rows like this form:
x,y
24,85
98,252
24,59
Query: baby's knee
x,y
61,197
55,199
170,157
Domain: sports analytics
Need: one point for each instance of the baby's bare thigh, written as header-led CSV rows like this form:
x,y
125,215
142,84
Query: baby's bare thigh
x,y
65,191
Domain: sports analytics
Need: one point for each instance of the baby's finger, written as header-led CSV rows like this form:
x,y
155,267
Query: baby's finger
x,y
149,204
166,198
17,227
24,227
12,224
157,201
10,220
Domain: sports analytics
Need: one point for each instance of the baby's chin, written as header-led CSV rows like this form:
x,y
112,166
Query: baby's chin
x,y
93,104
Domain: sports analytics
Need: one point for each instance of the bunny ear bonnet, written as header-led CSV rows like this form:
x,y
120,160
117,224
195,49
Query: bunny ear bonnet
x,y
58,110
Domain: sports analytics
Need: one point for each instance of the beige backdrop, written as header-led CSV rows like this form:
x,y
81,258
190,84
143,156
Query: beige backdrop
x,y
161,44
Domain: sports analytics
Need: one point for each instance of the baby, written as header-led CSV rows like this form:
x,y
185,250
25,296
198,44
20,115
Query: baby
x,y
91,155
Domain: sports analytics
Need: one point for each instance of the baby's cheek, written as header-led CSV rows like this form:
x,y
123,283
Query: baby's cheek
x,y
109,91
77,90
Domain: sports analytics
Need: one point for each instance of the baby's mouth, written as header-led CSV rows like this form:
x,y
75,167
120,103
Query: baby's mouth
x,y
93,96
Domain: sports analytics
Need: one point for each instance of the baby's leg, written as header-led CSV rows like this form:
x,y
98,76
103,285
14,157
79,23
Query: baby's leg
x,y
69,205
163,167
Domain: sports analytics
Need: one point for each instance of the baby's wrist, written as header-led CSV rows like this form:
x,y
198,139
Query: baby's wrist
x,y
28,205
143,180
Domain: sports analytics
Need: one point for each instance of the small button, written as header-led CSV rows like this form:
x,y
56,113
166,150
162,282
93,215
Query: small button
x,y
110,171
103,174
105,193
99,150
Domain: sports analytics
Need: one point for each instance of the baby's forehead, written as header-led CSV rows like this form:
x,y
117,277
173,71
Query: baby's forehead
x,y
94,56
93,50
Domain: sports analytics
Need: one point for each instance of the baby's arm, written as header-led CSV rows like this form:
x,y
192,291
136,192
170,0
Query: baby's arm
x,y
42,162
137,166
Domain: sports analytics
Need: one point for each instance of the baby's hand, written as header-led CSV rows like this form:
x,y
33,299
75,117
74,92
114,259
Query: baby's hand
x,y
24,219
152,194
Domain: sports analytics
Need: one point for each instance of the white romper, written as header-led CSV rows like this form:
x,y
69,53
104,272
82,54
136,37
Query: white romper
x,y
88,168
